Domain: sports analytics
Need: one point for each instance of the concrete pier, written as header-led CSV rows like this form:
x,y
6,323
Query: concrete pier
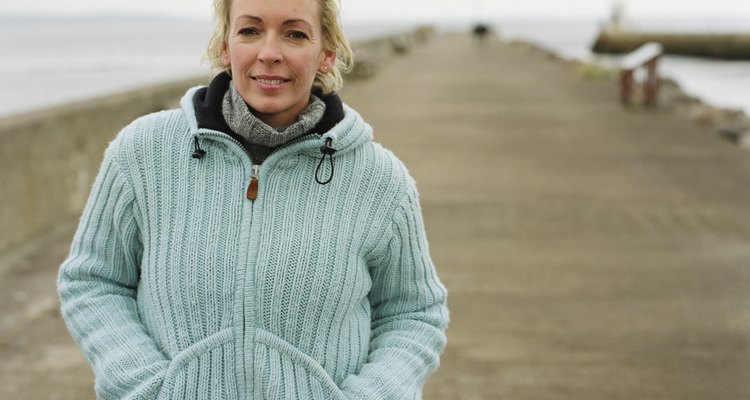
x,y
591,251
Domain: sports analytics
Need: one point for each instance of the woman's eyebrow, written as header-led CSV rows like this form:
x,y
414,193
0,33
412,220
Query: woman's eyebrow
x,y
250,17
291,21
298,21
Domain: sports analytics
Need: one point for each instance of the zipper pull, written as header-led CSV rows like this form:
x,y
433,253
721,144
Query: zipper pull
x,y
252,189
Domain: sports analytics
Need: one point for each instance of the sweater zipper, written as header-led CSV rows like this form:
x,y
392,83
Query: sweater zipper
x,y
245,307
252,187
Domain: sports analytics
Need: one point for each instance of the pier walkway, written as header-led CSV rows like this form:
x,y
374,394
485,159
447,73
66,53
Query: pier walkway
x,y
591,251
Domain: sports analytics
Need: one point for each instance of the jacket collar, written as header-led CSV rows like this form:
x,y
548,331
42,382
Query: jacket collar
x,y
207,104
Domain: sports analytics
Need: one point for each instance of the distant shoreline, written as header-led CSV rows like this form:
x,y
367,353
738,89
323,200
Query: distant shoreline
x,y
714,46
728,123
716,82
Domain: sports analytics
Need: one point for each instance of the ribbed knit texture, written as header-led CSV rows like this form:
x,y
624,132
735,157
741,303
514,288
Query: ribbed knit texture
x,y
179,287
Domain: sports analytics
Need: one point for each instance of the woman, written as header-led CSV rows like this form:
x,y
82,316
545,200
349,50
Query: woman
x,y
256,244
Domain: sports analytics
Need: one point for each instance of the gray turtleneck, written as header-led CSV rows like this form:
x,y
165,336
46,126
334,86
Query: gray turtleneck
x,y
260,138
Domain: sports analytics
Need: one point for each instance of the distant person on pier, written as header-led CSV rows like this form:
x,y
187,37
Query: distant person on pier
x,y
480,32
256,243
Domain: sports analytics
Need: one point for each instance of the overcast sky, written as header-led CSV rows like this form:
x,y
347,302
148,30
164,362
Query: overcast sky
x,y
357,10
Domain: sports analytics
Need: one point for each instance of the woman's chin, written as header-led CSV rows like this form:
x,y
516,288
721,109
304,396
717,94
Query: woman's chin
x,y
274,115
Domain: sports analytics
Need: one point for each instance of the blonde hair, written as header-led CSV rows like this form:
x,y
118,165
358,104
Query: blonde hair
x,y
333,39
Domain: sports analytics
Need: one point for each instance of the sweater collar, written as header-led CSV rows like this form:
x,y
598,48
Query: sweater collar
x,y
340,131
207,103
241,119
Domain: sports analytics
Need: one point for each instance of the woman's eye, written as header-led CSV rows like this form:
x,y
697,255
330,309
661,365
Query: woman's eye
x,y
248,31
297,35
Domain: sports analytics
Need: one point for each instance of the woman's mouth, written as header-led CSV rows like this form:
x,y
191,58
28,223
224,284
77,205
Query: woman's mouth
x,y
270,82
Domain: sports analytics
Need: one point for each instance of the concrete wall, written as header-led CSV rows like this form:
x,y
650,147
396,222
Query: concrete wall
x,y
49,158
371,55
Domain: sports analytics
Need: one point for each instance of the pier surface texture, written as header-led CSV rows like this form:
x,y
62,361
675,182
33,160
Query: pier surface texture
x,y
591,251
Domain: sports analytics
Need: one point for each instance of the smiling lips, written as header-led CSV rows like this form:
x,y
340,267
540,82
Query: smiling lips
x,y
270,82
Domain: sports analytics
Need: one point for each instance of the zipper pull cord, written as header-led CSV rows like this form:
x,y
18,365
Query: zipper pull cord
x,y
198,153
329,151
252,188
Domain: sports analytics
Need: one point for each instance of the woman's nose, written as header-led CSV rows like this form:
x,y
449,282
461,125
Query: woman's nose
x,y
270,51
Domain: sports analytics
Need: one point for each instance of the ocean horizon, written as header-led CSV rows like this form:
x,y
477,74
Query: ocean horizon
x,y
49,61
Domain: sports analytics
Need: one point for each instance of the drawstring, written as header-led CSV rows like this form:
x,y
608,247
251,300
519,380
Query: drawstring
x,y
198,152
327,150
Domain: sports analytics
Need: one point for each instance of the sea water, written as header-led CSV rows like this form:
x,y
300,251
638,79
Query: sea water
x,y
50,61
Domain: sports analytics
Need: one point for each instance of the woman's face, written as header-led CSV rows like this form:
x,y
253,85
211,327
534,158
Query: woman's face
x,y
275,49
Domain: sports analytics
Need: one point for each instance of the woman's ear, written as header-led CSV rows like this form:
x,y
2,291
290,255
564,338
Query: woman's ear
x,y
226,61
329,60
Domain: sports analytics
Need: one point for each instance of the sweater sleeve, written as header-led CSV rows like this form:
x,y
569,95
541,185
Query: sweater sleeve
x,y
409,314
97,287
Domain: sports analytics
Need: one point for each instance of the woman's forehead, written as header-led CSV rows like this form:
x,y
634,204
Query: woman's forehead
x,y
284,9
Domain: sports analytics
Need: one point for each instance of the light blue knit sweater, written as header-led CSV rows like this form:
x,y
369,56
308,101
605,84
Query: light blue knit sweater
x,y
179,287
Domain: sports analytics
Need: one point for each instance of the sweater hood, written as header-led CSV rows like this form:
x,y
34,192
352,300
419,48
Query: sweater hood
x,y
341,129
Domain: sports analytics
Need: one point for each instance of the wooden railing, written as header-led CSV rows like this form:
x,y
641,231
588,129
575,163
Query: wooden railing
x,y
646,56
